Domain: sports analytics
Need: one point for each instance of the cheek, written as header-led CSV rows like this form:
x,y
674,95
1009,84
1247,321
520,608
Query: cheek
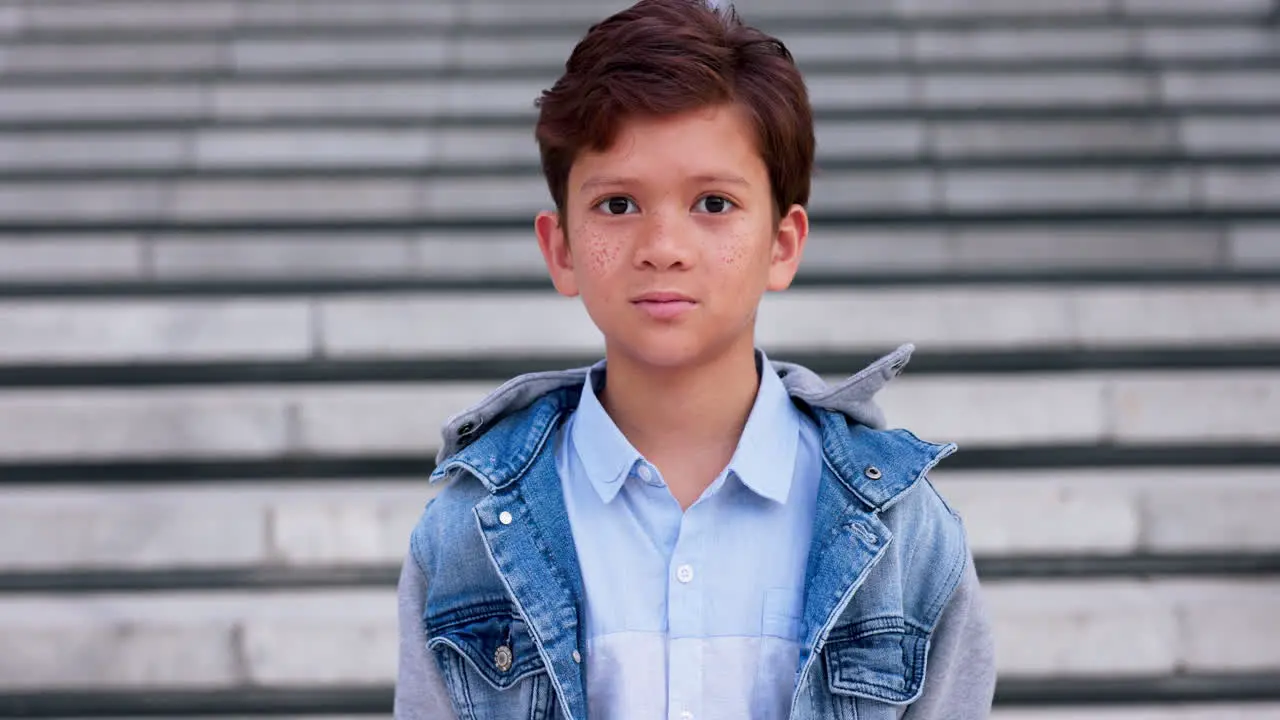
x,y
741,248
597,254
733,254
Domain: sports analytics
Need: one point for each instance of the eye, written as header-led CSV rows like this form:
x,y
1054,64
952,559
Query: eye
x,y
714,204
617,205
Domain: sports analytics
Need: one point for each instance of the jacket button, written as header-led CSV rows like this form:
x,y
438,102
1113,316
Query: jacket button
x,y
502,658
577,656
504,517
872,472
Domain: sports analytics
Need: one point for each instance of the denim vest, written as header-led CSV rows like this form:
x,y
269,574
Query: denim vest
x,y
504,598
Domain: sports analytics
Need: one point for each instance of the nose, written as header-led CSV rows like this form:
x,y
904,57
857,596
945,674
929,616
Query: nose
x,y
663,244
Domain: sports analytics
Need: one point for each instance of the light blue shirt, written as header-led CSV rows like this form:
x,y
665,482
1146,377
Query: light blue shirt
x,y
692,615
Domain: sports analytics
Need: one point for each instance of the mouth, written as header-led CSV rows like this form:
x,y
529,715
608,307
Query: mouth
x,y
663,297
664,305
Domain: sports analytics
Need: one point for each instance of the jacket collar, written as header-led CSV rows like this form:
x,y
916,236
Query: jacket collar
x,y
498,438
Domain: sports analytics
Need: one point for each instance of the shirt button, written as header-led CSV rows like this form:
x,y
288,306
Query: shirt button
x,y
644,472
504,518
684,573
577,656
686,715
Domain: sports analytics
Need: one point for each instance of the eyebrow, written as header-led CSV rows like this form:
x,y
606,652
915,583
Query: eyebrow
x,y
604,181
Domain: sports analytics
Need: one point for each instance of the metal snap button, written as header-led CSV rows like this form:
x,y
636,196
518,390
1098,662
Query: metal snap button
x,y
504,517
872,472
502,658
466,434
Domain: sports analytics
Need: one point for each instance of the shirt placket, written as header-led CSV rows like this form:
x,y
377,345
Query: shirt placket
x,y
685,619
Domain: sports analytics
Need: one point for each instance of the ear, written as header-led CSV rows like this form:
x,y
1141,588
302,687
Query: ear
x,y
553,241
788,246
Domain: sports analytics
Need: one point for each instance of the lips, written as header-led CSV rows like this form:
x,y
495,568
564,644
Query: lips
x,y
664,305
663,296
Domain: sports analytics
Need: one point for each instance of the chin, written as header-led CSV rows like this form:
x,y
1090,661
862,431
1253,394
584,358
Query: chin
x,y
669,350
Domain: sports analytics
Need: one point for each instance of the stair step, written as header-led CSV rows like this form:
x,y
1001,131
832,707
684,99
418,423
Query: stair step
x,y
300,639
436,97
339,704
224,15
404,50
873,192
358,419
870,252
846,144
438,150
1210,711
392,325
266,525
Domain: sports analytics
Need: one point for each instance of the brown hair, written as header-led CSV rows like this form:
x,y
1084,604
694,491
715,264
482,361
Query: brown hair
x,y
664,57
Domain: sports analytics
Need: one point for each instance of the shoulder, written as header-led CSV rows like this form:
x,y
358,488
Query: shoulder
x,y
914,507
447,526
883,468
928,552
931,553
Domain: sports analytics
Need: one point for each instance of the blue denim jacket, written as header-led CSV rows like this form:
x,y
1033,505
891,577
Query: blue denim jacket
x,y
491,594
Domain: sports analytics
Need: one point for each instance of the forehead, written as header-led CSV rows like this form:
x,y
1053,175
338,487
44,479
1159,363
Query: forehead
x,y
706,141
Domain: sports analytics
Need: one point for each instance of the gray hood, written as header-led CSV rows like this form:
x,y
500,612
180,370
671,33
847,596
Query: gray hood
x,y
853,397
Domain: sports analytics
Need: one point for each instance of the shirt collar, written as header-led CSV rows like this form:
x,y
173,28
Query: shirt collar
x,y
764,460
606,454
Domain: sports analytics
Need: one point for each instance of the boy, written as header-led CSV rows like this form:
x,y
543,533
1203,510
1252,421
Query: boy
x,y
686,529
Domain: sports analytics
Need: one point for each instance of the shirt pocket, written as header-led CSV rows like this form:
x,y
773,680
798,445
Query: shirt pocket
x,y
781,613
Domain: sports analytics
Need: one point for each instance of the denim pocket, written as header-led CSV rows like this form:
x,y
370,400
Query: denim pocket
x,y
491,665
493,642
878,659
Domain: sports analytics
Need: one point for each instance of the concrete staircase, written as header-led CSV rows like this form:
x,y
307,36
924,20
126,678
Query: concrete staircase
x,y
253,252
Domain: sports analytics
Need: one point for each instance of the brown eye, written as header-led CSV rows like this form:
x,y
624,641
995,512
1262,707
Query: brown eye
x,y
617,205
714,204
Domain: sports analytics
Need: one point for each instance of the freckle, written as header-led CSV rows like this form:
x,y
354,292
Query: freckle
x,y
601,254
734,252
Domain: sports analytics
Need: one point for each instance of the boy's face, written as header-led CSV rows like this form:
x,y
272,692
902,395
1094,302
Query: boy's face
x,y
670,238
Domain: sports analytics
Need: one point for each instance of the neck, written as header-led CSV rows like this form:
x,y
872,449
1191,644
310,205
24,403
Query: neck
x,y
687,419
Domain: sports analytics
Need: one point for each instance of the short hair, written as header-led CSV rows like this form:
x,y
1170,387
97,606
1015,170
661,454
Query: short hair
x,y
663,57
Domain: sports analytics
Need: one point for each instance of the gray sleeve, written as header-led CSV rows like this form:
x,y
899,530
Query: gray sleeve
x,y
420,691
960,676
